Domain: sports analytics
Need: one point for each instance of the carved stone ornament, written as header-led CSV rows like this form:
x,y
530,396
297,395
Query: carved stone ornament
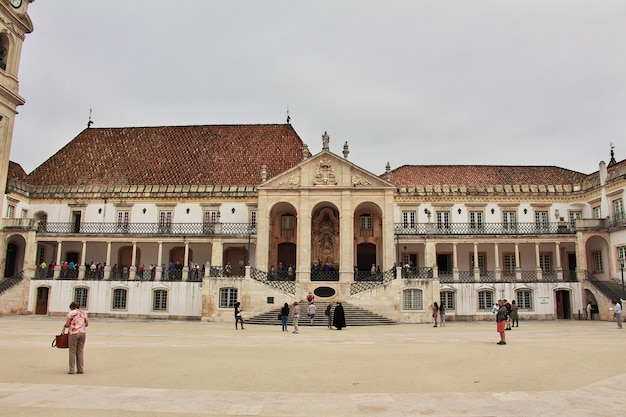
x,y
325,174
359,180
293,180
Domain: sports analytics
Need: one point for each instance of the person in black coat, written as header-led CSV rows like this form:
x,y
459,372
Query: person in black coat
x,y
339,317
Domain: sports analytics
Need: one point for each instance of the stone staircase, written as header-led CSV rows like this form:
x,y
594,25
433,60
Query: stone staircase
x,y
355,316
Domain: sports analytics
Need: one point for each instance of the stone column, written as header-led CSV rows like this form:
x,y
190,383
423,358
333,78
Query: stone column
x,y
559,268
518,267
497,271
133,267
107,262
185,276
83,259
159,268
57,269
537,262
455,263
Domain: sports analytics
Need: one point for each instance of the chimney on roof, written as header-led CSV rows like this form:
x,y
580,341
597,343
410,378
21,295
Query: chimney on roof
x,y
305,151
346,152
263,173
388,172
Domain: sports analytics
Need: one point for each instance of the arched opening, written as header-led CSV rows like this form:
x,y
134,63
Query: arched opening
x,y
283,237
11,260
325,228
237,258
365,256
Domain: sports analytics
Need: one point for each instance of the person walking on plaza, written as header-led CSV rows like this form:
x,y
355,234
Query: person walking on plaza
x,y
77,323
617,313
514,316
312,309
339,317
501,322
589,311
284,316
238,316
295,312
329,315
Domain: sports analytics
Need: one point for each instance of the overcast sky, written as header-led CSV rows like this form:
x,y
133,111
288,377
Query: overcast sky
x,y
406,82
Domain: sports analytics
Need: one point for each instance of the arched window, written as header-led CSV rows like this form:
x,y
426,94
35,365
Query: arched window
x,y
4,50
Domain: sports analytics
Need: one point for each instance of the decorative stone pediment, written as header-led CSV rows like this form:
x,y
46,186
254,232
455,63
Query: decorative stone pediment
x,y
325,170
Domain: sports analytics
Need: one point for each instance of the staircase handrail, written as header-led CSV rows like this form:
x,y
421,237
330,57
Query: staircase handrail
x,y
10,282
288,287
361,286
601,286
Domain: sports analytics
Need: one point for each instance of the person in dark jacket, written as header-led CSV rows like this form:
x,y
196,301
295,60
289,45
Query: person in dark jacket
x,y
339,317
238,316
284,316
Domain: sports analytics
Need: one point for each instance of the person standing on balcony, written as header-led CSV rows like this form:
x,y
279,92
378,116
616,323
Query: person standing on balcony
x,y
228,269
238,316
295,312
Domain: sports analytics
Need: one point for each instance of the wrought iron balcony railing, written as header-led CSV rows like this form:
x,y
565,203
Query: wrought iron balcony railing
x,y
180,229
484,228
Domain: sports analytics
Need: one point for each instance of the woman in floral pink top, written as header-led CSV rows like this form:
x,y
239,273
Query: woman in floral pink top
x,y
77,322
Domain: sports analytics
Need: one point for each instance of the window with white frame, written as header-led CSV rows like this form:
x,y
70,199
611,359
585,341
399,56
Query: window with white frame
x,y
448,300
209,216
228,297
597,261
24,214
481,262
509,218
573,215
159,300
408,218
541,220
508,262
123,220
10,211
412,299
165,221
485,300
621,253
524,299
476,219
545,261
618,209
80,296
597,212
119,299
443,219
366,221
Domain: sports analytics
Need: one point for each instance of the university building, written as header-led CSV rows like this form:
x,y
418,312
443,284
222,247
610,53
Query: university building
x,y
181,222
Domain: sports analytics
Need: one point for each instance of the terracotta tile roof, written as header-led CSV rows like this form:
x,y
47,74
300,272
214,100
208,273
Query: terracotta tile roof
x,y
16,172
483,175
172,155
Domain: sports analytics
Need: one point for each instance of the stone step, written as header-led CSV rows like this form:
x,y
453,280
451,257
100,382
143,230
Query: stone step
x,y
355,316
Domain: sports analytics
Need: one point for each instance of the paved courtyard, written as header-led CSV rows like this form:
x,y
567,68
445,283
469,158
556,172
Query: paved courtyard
x,y
171,369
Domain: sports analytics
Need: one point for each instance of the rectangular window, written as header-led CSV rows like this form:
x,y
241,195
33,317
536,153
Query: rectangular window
x,y
160,300
618,209
412,299
41,255
481,262
573,215
447,300
80,296
485,300
509,218
545,262
24,214
209,216
476,219
597,261
123,219
253,218
621,254
288,222
443,219
524,299
119,299
228,297
408,218
165,221
10,211
509,263
541,220
366,221
597,212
